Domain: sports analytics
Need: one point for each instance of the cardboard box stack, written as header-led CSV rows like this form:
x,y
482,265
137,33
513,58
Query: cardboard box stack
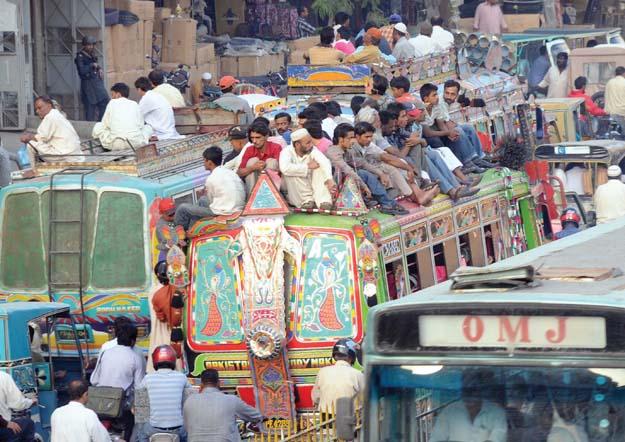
x,y
128,48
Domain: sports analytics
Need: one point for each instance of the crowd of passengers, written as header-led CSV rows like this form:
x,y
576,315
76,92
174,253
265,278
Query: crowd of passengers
x,y
541,408
398,146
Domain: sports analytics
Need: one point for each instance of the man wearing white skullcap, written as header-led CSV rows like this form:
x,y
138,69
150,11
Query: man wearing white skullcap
x,y
197,91
306,173
610,197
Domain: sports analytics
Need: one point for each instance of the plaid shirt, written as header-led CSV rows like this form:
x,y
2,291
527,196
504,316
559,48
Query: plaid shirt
x,y
387,33
303,28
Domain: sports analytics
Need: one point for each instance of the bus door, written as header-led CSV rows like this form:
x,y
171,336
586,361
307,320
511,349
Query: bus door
x,y
445,246
470,236
419,267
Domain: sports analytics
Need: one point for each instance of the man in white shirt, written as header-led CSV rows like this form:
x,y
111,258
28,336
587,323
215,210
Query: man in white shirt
x,y
74,422
171,93
306,173
610,197
473,418
403,50
121,367
423,43
122,125
225,192
439,34
615,93
55,135
557,78
156,111
340,380
117,324
11,398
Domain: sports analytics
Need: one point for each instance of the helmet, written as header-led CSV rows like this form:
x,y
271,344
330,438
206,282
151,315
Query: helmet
x,y
167,206
164,356
345,347
89,40
570,215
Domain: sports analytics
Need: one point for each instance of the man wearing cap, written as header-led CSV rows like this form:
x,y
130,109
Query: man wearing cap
x,y
166,233
387,31
225,193
237,135
306,173
171,93
610,197
230,101
92,90
369,52
197,90
402,50
122,126
324,53
489,18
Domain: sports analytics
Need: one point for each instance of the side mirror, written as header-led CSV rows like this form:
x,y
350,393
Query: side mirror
x,y
345,418
591,218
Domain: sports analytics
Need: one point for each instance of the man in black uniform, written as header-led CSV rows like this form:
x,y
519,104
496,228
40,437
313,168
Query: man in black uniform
x,y
92,90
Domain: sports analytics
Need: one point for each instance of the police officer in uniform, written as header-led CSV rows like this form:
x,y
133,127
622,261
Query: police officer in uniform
x,y
92,90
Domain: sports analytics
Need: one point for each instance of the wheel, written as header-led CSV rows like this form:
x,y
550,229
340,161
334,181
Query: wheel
x,y
599,99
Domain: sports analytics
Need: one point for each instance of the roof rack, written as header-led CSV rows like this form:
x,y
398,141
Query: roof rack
x,y
149,161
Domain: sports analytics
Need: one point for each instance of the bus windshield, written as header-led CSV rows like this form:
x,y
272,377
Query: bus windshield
x,y
435,403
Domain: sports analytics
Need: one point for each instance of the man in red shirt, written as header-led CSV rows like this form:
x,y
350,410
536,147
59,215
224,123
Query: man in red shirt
x,y
261,156
580,92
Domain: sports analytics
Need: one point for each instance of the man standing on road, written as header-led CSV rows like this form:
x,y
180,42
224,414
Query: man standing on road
x,y
615,93
74,422
557,78
92,90
489,18
610,197
210,415
11,398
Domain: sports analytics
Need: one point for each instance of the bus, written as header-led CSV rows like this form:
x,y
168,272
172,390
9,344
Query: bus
x,y
535,342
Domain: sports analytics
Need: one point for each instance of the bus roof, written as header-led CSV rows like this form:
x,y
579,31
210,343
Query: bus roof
x,y
598,247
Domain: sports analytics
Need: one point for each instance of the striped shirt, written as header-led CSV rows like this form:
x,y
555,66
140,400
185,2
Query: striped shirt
x,y
166,392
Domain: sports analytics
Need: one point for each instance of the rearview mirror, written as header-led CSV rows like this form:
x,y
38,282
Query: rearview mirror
x,y
345,418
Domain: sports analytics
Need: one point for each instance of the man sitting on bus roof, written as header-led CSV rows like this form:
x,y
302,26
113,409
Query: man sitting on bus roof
x,y
473,418
307,173
55,135
262,155
225,193
122,126
348,162
172,94
156,111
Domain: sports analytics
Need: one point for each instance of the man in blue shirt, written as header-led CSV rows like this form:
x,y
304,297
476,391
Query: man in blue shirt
x,y
166,391
539,69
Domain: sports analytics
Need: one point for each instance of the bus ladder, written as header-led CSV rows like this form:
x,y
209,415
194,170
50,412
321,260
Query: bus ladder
x,y
53,252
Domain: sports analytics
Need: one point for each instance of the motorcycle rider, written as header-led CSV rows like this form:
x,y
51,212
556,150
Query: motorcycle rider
x,y
339,380
570,223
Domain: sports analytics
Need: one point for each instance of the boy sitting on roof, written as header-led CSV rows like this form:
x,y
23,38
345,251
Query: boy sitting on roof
x,y
225,193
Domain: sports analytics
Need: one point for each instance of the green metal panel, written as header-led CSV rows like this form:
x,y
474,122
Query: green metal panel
x,y
22,264
528,215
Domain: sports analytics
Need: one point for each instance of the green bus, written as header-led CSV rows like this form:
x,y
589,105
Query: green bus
x,y
528,349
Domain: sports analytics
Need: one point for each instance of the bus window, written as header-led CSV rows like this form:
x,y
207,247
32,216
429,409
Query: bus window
x,y
414,279
396,279
494,243
599,72
182,198
472,249
67,235
426,271
22,264
446,259
119,254
521,402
